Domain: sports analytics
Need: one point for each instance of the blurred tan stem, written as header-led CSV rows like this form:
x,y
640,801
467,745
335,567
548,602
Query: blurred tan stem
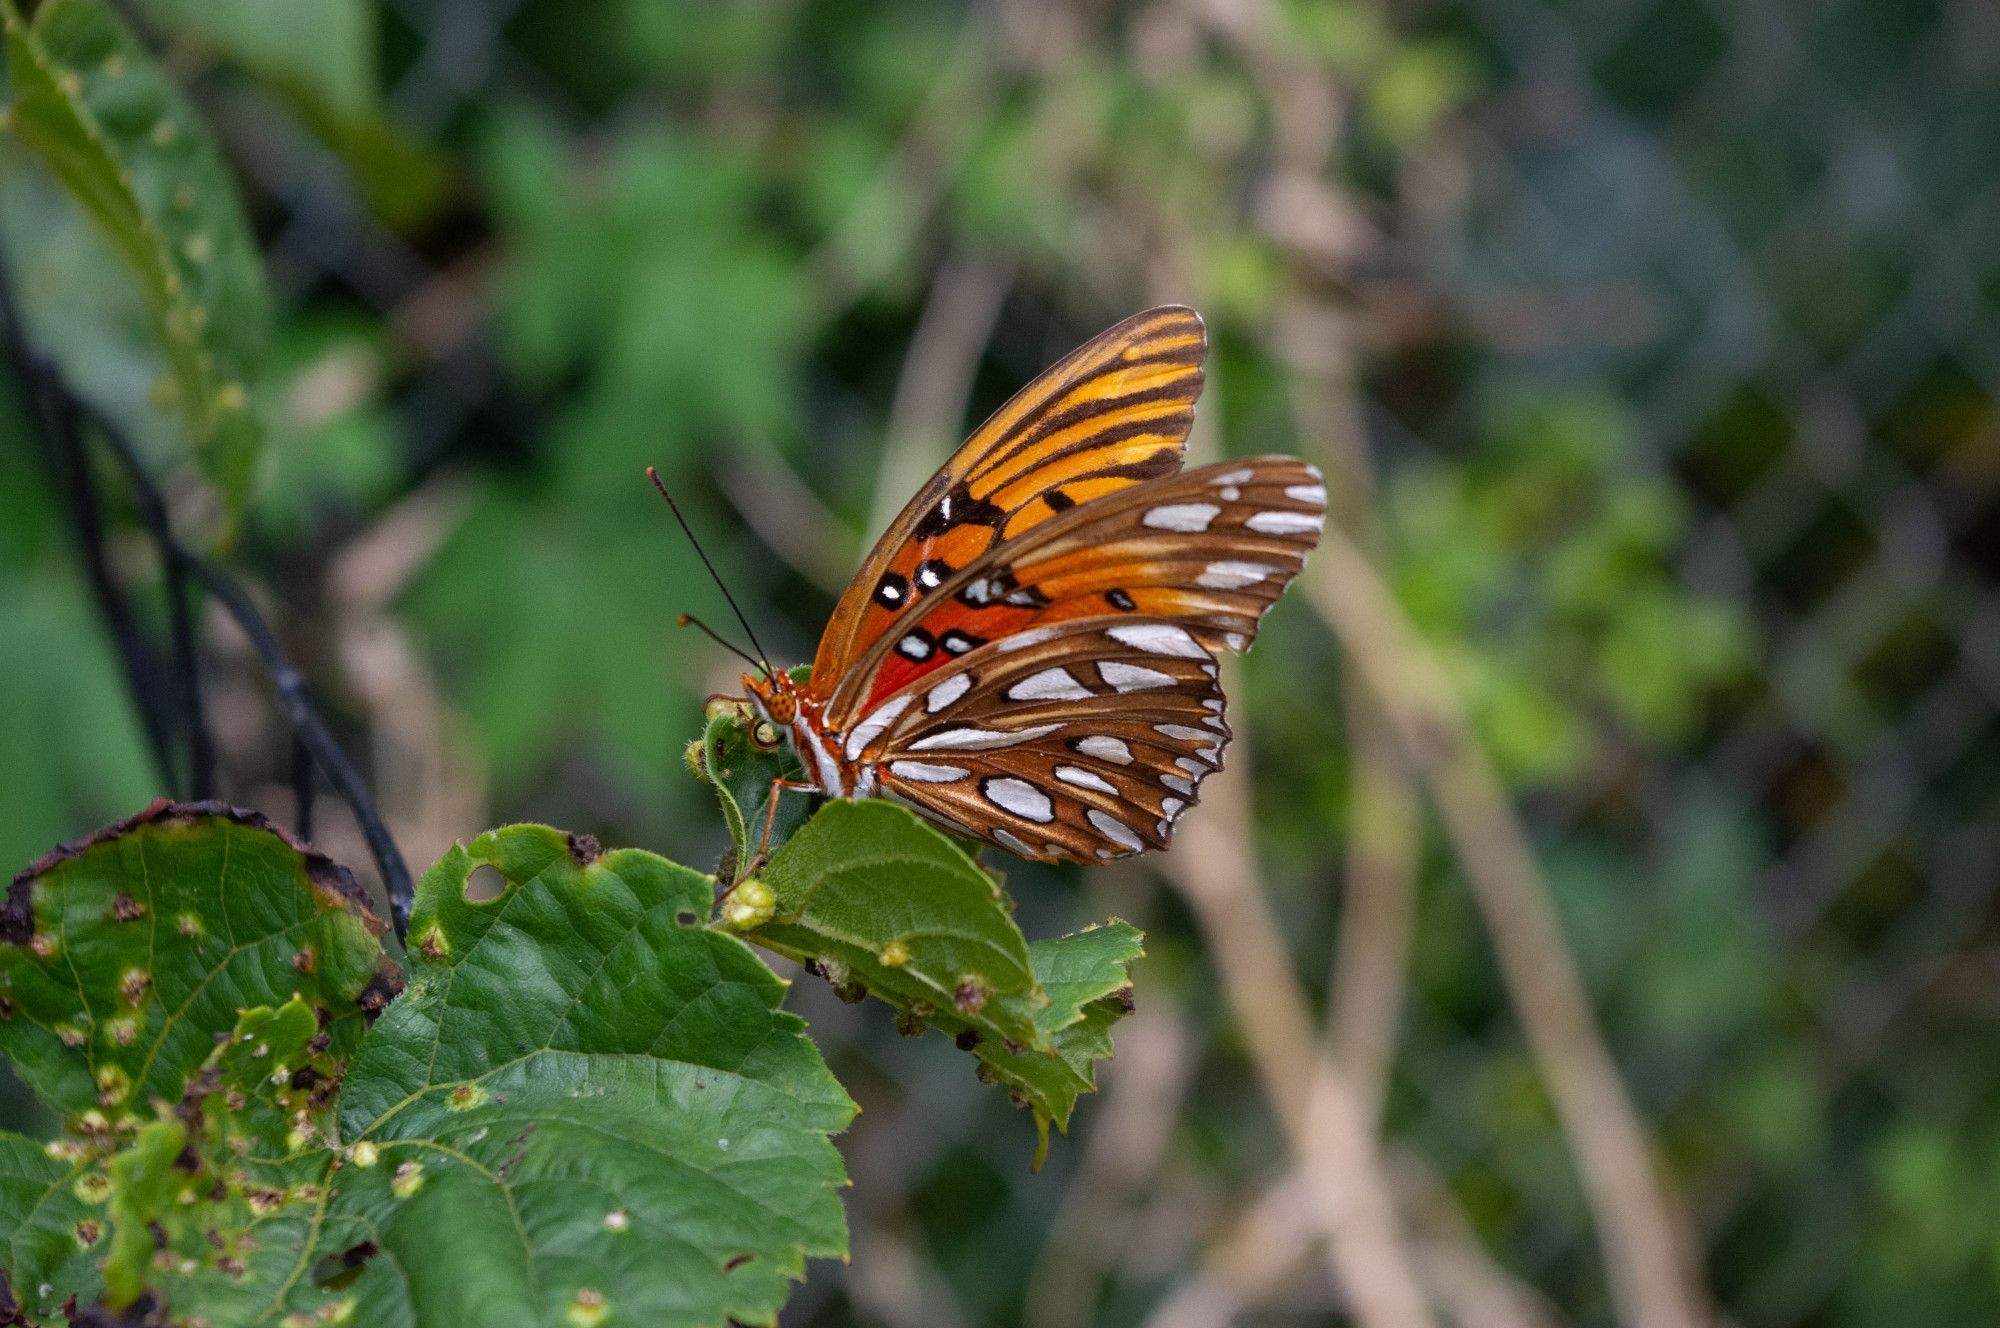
x,y
1645,1245
1214,866
1314,336
936,382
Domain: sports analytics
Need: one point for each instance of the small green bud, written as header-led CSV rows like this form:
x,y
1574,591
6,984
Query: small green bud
x,y
750,905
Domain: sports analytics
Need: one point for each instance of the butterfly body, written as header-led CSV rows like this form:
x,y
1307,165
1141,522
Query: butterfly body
x,y
1029,655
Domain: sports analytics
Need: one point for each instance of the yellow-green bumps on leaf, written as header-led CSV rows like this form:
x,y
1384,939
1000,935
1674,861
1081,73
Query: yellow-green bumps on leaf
x,y
588,1309
112,1085
465,1097
365,1154
409,1178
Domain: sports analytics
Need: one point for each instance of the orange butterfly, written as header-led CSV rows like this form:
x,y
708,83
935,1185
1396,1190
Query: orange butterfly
x,y
1028,655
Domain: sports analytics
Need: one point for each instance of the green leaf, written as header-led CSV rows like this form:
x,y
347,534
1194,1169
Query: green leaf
x,y
94,105
52,1225
324,46
879,903
586,1104
319,57
144,1187
222,1228
1087,976
123,954
870,895
125,960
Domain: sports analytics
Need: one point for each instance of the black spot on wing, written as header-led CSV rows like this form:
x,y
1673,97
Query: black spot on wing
x,y
892,591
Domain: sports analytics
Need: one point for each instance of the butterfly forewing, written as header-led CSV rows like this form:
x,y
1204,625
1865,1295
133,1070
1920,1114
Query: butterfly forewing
x,y
1081,720
1111,414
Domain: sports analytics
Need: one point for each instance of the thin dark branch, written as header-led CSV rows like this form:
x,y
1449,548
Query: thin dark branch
x,y
57,416
152,509
310,730
54,421
302,788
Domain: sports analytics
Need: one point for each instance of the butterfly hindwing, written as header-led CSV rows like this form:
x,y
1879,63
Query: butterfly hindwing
x,y
1113,413
1074,746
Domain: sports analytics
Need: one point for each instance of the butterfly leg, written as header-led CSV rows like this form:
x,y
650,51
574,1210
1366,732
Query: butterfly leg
x,y
778,786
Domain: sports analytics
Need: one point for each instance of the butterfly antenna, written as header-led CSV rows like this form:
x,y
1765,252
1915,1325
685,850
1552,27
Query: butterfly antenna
x,y
689,620
763,660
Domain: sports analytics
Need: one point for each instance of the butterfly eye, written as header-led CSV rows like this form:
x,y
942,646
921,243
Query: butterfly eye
x,y
765,734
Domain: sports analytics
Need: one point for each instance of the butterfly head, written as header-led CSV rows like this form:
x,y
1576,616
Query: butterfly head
x,y
776,700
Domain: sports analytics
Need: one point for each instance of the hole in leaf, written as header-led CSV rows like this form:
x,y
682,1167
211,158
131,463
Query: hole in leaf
x,y
336,1271
686,918
485,885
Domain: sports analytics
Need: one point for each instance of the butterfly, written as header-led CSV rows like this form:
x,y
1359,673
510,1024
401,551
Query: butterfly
x,y
1028,656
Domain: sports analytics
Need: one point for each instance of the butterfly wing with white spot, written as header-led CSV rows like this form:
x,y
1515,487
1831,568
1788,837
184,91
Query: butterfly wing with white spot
x,y
1113,413
1074,747
1084,731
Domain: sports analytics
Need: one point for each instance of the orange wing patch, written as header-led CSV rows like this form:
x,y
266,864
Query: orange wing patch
x,y
1112,413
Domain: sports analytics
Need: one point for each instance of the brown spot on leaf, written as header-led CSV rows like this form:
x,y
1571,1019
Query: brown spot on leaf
x,y
306,960
17,915
127,909
145,1312
736,1261
850,993
134,986
970,997
584,849
1124,998
381,989
967,1040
